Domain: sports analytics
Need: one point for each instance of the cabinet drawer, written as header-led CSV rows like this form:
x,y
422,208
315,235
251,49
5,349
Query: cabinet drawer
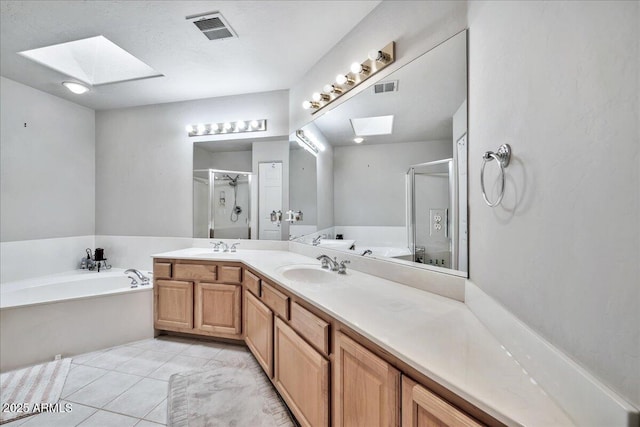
x,y
194,272
311,327
162,270
252,283
230,274
276,300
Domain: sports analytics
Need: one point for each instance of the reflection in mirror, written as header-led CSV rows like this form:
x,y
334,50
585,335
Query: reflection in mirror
x,y
221,204
399,192
222,190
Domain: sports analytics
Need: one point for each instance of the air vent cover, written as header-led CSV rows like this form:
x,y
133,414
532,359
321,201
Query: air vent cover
x,y
389,86
213,25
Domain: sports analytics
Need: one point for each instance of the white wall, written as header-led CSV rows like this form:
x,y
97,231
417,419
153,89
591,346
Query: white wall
x,y
369,180
303,185
144,159
226,160
47,155
559,81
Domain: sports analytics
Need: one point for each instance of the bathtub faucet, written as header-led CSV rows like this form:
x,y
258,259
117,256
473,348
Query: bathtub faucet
x,y
144,279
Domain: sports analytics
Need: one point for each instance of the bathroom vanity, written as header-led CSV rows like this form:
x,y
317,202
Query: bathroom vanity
x,y
350,349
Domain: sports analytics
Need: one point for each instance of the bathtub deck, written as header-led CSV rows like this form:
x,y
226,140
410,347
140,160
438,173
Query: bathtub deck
x,y
127,385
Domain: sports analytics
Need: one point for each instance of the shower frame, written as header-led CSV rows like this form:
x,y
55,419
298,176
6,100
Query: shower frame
x,y
212,181
452,217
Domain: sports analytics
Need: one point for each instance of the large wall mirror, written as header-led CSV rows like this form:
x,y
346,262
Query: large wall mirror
x,y
400,193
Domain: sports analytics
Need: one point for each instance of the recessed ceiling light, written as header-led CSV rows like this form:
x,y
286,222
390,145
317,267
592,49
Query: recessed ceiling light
x,y
76,88
358,139
368,126
94,61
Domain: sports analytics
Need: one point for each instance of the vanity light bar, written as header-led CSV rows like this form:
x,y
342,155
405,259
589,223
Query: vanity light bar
x,y
240,126
359,72
308,144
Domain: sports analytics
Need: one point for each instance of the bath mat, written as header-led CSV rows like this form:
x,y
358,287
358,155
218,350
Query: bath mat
x,y
32,390
229,393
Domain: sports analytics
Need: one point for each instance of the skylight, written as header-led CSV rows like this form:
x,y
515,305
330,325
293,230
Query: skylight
x,y
95,61
368,126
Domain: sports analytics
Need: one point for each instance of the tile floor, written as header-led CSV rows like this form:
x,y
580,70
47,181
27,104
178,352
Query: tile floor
x,y
127,385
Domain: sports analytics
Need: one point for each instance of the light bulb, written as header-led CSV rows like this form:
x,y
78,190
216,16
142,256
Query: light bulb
x,y
359,68
76,88
241,125
358,139
332,89
343,79
189,128
227,126
201,129
317,97
308,104
378,55
215,127
254,124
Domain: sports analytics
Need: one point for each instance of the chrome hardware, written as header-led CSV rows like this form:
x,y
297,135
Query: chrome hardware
x,y
144,279
502,157
367,252
329,263
316,241
134,282
342,268
233,247
216,246
223,246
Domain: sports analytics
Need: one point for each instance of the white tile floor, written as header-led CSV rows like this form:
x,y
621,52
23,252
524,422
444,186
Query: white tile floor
x,y
127,385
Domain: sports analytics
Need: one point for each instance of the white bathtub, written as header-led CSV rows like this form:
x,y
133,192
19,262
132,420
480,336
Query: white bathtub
x,y
69,314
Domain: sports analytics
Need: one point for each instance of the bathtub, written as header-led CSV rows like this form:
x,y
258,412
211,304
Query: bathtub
x,y
70,313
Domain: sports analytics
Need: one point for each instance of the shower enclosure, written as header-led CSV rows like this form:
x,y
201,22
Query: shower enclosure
x,y
432,214
221,204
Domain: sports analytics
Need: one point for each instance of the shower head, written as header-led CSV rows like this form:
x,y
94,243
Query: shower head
x,y
233,181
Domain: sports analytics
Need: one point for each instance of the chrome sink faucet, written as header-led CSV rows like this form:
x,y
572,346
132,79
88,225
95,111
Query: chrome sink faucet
x,y
316,241
342,268
328,262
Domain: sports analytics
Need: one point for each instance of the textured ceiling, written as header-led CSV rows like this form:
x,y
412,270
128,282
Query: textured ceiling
x,y
278,42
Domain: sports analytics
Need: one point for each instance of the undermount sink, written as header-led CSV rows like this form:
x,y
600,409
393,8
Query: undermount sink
x,y
308,274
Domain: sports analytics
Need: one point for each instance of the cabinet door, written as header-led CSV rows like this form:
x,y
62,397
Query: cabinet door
x,y
302,377
218,309
173,304
421,408
258,329
366,388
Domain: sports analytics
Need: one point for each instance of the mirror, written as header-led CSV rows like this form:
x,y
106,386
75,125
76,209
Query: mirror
x,y
302,190
400,194
222,190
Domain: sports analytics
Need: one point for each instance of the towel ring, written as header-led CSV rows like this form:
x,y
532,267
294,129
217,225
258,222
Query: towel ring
x,y
502,156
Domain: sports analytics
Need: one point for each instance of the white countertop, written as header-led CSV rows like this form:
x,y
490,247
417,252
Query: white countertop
x,y
437,336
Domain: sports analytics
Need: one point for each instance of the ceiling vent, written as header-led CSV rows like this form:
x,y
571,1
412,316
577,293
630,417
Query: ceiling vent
x,y
213,25
389,86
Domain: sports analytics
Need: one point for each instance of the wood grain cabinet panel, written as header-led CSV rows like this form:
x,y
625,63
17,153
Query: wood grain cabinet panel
x,y
218,309
276,300
302,376
366,389
194,271
311,327
162,270
173,304
421,408
252,283
258,330
230,274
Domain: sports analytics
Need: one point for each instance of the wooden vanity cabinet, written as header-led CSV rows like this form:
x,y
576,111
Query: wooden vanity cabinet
x,y
203,298
301,375
173,304
366,388
422,408
218,309
258,330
